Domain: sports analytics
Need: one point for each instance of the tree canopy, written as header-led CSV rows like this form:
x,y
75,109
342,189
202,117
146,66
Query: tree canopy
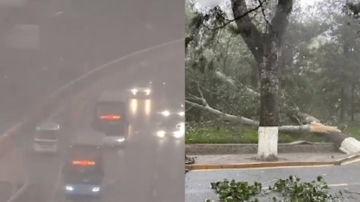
x,y
317,63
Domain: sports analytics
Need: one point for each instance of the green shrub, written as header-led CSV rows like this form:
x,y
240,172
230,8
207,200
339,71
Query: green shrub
x,y
283,190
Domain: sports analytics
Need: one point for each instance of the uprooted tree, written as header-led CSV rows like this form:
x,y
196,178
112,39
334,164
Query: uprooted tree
x,y
262,28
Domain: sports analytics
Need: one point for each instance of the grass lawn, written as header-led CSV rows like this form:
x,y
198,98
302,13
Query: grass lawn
x,y
223,135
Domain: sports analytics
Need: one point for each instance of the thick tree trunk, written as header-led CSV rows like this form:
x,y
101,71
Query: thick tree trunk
x,y
269,101
344,142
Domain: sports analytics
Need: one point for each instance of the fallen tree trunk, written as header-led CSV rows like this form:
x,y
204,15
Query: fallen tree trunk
x,y
344,142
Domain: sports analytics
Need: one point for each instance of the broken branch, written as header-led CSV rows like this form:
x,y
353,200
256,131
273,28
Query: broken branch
x,y
313,127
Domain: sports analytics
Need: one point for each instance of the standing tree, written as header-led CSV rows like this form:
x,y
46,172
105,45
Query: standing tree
x,y
213,87
266,48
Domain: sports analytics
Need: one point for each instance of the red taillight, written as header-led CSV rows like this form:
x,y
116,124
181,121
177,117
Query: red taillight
x,y
84,163
110,117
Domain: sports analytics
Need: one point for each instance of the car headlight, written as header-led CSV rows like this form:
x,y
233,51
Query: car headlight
x,y
120,140
177,134
134,91
165,113
181,113
69,188
160,133
96,189
148,91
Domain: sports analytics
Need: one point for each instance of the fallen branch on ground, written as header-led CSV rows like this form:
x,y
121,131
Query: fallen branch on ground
x,y
313,127
293,112
345,143
189,160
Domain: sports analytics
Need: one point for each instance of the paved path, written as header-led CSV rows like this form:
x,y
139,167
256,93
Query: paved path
x,y
251,158
346,177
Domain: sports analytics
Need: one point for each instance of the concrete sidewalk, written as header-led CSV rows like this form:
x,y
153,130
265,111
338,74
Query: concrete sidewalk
x,y
250,158
247,161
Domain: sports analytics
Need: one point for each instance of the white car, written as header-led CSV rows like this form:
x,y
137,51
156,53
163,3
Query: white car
x,y
171,125
141,92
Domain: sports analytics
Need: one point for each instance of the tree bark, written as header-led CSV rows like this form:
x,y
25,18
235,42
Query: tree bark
x,y
269,87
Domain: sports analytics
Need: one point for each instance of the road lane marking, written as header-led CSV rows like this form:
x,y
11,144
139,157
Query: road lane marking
x,y
57,185
11,130
352,161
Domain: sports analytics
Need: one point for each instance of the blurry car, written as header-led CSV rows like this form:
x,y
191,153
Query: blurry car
x,y
171,124
142,91
83,172
46,137
110,119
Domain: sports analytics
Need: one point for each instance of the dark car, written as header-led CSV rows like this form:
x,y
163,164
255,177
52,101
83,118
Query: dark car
x,y
83,172
111,114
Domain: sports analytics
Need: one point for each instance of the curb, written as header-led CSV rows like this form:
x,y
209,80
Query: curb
x,y
205,149
257,165
347,160
343,161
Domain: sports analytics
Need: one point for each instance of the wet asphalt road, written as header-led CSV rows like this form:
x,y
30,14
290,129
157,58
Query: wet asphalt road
x,y
340,178
147,169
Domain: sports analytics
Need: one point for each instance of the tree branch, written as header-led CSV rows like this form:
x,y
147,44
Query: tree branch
x,y
248,31
261,3
231,82
227,117
313,127
281,19
293,113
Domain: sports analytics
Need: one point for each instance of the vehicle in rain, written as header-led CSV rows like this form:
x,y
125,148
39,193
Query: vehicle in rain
x,y
46,137
83,173
142,91
171,124
111,118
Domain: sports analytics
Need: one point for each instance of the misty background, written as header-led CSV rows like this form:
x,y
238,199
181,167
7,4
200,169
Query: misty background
x,y
46,44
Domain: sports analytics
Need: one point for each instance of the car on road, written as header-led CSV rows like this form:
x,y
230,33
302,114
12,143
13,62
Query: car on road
x,y
83,173
46,137
141,91
111,118
171,124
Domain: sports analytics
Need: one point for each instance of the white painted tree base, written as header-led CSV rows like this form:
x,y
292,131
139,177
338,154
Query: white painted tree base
x,y
268,142
350,145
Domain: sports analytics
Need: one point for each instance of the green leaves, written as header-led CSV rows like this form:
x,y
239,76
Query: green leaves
x,y
283,190
231,191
